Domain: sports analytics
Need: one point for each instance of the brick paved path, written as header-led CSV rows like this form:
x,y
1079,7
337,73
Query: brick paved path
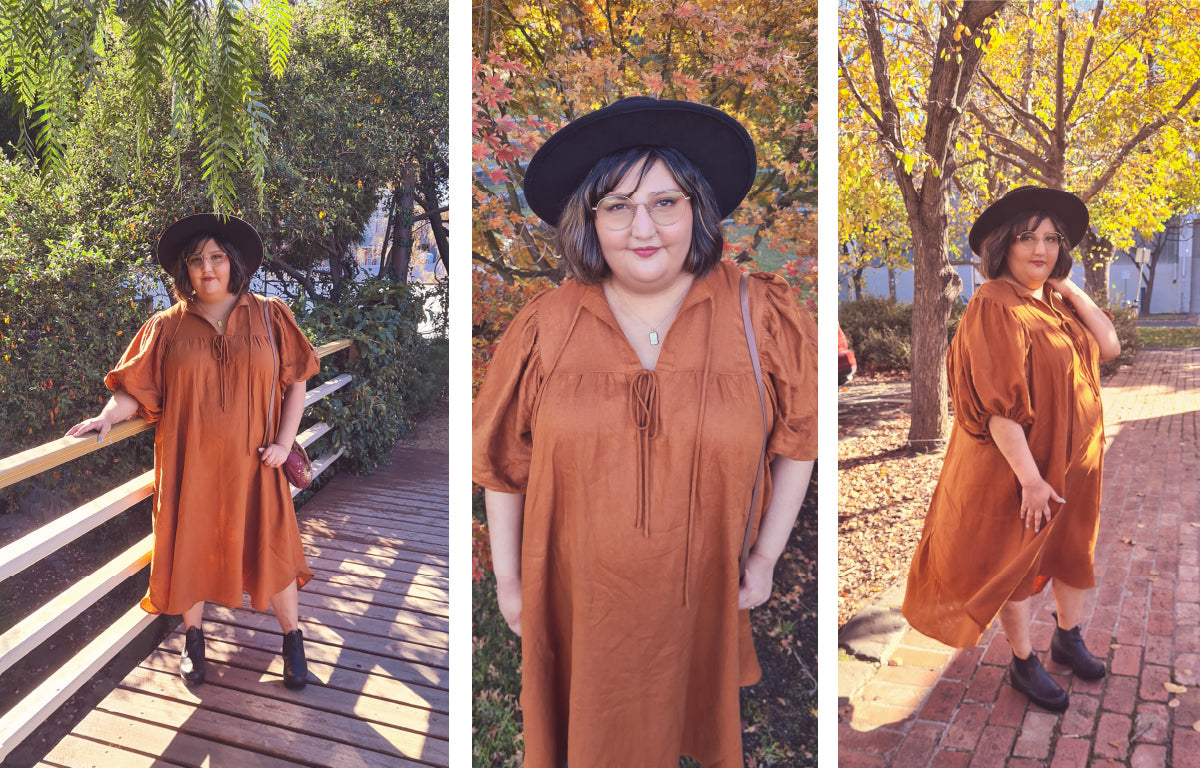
x,y
937,707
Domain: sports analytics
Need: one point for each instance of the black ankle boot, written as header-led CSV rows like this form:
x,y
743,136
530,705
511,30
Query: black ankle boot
x,y
1029,677
295,668
191,661
1067,648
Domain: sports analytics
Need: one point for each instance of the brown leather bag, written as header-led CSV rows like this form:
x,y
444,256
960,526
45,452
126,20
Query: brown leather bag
x,y
744,290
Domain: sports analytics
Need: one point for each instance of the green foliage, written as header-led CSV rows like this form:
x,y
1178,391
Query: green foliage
x,y
396,371
67,316
206,56
880,332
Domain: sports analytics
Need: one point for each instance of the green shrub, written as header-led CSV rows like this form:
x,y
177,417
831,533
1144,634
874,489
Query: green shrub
x,y
1125,321
396,371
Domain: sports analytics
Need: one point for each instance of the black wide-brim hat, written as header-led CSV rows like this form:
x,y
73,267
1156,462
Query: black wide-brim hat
x,y
229,228
714,142
1068,208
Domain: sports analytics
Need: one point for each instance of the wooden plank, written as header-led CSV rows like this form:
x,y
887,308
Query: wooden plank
x,y
49,455
378,598
395,553
394,526
313,433
113,741
334,346
38,626
316,393
361,566
76,752
28,549
386,740
376,584
367,610
413,714
41,702
398,535
339,631
241,731
261,648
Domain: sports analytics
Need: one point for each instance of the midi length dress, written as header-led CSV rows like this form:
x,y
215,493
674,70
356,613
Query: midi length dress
x,y
224,522
1036,363
637,486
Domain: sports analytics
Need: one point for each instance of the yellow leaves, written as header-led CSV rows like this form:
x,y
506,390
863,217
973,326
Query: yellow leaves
x,y
1174,688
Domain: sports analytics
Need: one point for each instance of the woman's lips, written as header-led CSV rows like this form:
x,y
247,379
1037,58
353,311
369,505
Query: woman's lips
x,y
645,252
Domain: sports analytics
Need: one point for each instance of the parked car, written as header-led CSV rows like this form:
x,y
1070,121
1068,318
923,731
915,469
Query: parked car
x,y
846,363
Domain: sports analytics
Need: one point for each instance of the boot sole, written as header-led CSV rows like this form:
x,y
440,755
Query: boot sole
x,y
1082,675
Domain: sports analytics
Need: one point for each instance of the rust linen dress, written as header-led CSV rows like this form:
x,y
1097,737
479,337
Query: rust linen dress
x,y
1036,363
637,488
223,522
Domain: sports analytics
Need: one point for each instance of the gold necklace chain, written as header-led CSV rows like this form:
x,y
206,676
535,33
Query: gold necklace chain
x,y
654,337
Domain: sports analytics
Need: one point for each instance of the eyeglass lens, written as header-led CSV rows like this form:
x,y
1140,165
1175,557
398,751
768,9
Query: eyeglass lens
x,y
618,211
197,262
1030,239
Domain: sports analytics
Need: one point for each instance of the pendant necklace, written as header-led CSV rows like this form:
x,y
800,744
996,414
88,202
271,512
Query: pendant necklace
x,y
654,337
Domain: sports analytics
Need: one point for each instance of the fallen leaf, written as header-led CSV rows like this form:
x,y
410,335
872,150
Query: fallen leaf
x,y
1173,703
1173,688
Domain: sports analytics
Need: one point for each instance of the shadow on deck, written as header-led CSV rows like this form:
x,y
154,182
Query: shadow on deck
x,y
376,628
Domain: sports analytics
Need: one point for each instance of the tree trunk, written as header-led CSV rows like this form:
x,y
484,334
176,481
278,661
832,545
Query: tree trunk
x,y
429,196
402,211
1096,254
936,285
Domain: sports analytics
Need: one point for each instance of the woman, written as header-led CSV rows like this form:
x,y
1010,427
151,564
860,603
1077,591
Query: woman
x,y
618,435
1018,500
203,370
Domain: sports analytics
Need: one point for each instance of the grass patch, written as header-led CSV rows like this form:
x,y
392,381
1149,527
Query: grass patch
x,y
1169,337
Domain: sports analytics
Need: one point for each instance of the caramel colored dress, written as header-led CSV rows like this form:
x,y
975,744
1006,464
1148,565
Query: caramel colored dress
x,y
224,523
637,485
1036,363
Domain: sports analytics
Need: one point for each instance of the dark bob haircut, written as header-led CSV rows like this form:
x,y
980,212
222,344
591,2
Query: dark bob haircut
x,y
993,259
239,280
577,239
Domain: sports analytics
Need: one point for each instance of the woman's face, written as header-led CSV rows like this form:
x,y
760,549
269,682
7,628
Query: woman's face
x,y
208,269
1031,258
647,256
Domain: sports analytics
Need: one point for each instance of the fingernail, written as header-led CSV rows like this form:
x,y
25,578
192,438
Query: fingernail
x,y
99,438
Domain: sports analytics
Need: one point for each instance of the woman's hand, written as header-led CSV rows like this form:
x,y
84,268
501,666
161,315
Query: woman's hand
x,y
273,455
1035,503
757,582
101,424
508,594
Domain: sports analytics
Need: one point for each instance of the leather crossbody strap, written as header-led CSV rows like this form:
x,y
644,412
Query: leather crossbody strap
x,y
744,290
274,372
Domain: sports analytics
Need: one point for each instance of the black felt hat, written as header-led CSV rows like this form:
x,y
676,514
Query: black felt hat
x,y
1068,208
714,142
229,228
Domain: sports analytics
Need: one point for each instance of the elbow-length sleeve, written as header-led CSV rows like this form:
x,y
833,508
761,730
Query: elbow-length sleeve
x,y
502,440
988,368
788,352
297,360
139,371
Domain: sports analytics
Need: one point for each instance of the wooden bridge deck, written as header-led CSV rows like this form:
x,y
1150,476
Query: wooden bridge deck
x,y
376,630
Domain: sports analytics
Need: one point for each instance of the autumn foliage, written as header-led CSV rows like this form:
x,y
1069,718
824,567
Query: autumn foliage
x,y
538,66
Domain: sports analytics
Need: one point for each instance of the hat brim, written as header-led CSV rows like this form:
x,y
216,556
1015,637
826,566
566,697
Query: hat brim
x,y
714,142
229,228
1068,208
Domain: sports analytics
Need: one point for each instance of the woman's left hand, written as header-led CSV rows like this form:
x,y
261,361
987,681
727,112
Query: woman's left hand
x,y
273,455
757,582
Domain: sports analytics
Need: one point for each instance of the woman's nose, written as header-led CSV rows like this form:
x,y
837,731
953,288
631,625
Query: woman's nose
x,y
642,223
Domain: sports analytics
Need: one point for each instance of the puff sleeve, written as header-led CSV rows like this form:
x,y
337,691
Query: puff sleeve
x,y
988,367
788,351
139,371
502,439
297,360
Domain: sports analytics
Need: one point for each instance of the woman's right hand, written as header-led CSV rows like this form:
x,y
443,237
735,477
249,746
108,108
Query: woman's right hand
x,y
1035,503
508,594
101,424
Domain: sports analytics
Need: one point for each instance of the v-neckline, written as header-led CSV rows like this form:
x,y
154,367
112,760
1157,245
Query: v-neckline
x,y
607,315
